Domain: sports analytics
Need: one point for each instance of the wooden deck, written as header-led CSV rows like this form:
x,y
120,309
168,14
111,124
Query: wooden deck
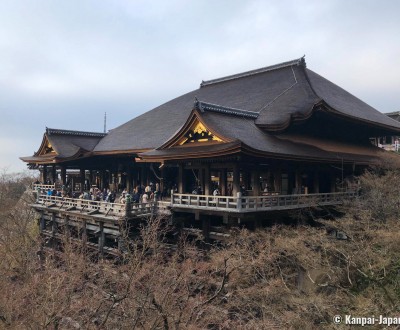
x,y
103,226
239,204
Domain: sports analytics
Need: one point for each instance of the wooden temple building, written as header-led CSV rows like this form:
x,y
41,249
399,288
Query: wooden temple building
x,y
272,139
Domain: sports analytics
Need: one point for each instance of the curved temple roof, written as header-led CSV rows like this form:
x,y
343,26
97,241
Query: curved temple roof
x,y
253,110
273,95
60,145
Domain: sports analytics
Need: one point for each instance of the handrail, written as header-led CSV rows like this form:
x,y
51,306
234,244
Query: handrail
x,y
238,203
107,208
40,186
241,203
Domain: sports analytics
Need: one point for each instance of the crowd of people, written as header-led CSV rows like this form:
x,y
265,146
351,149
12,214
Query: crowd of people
x,y
140,194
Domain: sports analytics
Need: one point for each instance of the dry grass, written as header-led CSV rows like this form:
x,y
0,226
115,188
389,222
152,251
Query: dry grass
x,y
284,277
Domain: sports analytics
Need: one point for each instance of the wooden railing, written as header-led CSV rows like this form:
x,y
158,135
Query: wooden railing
x,y
257,203
89,206
41,187
241,204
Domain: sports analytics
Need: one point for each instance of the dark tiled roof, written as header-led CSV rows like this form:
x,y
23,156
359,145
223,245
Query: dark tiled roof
x,y
347,104
288,147
67,145
299,61
203,106
55,131
264,99
153,128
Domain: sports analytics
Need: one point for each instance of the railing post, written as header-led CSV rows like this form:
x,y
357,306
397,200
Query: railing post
x,y
239,201
172,197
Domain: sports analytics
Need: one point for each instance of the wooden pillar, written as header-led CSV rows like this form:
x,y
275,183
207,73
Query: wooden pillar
x,y
162,181
277,173
201,179
82,177
180,179
100,180
236,180
146,175
129,181
54,173
298,181
66,227
42,223
255,182
101,238
44,174
206,224
63,175
333,181
316,182
222,182
141,175
84,233
53,229
207,180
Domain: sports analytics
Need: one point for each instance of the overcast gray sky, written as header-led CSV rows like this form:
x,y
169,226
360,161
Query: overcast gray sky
x,y
64,63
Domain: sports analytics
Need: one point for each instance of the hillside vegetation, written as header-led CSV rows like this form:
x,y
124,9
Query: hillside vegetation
x,y
283,277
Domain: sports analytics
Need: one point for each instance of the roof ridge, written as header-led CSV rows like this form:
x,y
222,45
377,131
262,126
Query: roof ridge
x,y
50,131
202,106
300,61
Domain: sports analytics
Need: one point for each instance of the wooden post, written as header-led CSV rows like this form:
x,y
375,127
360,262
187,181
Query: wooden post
x,y
255,182
44,174
42,224
222,181
53,224
162,181
316,182
206,224
53,229
239,201
84,233
236,180
180,179
207,180
278,180
298,181
66,227
101,238
63,175
128,181
82,177
54,173
201,179
333,181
